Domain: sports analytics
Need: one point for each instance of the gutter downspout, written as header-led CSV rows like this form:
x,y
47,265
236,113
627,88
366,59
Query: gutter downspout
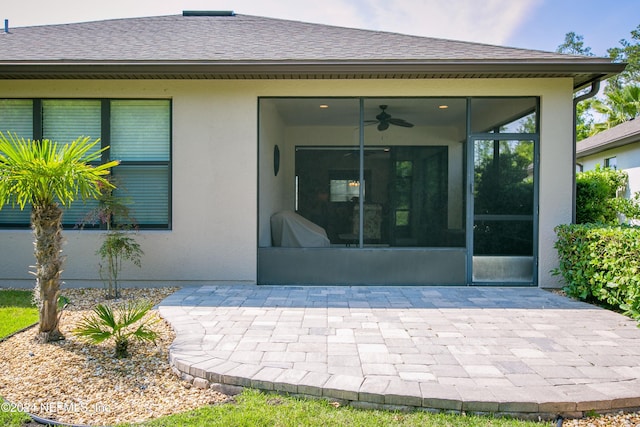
x,y
595,87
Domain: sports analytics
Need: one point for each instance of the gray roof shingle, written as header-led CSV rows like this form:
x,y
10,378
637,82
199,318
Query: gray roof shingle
x,y
227,40
622,134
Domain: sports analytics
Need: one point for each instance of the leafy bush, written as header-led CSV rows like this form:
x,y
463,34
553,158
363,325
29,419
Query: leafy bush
x,y
596,195
601,264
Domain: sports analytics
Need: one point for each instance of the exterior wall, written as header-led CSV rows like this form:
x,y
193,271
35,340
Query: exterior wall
x,y
628,158
214,237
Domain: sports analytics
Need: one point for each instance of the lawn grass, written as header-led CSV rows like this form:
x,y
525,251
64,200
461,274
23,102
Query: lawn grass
x,y
16,311
254,409
10,416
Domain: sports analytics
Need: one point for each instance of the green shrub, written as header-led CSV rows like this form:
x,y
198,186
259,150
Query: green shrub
x,y
596,193
601,264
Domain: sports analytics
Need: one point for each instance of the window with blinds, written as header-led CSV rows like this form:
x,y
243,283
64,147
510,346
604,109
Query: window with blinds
x,y
138,133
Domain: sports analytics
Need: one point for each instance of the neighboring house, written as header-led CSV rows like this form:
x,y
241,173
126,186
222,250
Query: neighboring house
x,y
618,147
459,155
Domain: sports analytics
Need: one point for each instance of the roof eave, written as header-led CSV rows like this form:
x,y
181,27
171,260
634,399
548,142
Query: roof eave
x,y
629,139
583,73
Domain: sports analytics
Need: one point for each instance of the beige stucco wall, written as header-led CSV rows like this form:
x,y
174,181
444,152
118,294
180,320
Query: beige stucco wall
x,y
214,237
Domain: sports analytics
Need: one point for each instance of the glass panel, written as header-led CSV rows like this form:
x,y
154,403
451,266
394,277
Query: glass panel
x,y
415,155
146,191
16,116
503,197
503,177
318,175
65,121
140,130
79,212
412,184
504,238
329,189
504,115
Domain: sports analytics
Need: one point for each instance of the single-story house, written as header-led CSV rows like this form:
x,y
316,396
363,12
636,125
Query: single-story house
x,y
259,150
618,147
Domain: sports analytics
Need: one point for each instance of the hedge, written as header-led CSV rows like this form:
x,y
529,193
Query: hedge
x,y
596,192
601,264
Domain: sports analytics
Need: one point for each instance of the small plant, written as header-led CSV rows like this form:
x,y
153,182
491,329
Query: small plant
x,y
119,245
119,324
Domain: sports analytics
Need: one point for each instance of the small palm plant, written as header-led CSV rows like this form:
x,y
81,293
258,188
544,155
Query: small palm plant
x,y
119,324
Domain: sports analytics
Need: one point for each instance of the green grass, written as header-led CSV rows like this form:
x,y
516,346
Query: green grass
x,y
10,416
16,311
254,409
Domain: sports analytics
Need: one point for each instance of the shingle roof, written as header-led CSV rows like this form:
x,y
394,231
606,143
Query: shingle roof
x,y
622,134
219,44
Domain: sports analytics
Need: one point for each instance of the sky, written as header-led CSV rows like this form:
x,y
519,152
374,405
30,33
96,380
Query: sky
x,y
529,24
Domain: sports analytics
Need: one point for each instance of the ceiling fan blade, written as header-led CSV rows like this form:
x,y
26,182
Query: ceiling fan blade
x,y
383,126
400,122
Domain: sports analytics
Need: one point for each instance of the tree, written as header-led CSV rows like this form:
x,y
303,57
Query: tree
x,y
629,52
574,45
618,106
45,174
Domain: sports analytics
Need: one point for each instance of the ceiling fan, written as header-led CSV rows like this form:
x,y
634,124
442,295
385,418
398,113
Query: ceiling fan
x,y
384,119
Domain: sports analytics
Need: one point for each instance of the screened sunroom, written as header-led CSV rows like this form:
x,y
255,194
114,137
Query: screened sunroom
x,y
398,190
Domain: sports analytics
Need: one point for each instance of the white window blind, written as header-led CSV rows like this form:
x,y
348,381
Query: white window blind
x,y
16,116
64,121
147,190
140,130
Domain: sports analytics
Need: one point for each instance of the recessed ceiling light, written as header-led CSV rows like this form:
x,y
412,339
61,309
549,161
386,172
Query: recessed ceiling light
x,y
443,107
324,106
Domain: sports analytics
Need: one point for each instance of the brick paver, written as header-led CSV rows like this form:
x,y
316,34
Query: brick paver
x,y
495,349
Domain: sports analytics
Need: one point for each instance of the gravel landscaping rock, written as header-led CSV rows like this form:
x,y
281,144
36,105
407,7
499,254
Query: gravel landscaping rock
x,y
73,381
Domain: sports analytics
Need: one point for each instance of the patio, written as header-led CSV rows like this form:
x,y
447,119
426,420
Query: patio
x,y
521,351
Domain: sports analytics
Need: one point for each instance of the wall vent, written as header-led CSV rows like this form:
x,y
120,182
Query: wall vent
x,y
208,13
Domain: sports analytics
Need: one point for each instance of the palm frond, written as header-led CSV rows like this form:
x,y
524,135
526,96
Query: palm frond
x,y
91,330
144,333
39,172
134,312
105,314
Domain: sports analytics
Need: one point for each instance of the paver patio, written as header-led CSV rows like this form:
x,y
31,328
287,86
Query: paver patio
x,y
476,349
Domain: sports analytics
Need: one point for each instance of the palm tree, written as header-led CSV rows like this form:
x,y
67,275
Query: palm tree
x,y
45,174
620,105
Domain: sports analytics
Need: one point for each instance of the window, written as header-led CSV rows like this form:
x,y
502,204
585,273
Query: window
x,y
611,162
138,133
